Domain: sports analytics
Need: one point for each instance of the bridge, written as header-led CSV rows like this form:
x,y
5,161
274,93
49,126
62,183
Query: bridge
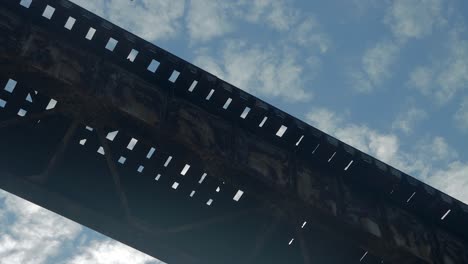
x,y
115,133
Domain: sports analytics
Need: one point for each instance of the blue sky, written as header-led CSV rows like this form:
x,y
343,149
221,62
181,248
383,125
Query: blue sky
x,y
388,77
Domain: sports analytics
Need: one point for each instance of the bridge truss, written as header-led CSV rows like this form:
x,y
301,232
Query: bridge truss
x,y
119,135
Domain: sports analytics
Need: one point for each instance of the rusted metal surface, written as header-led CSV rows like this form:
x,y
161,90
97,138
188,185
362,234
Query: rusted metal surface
x,y
167,182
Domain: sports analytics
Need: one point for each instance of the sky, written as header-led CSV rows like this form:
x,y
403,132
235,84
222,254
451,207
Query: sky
x,y
387,77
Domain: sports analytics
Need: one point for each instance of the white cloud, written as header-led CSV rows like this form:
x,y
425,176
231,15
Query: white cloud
x,y
414,18
207,19
435,149
273,13
446,77
307,33
149,19
376,66
35,234
406,121
377,61
421,79
110,252
451,80
262,71
407,19
381,145
452,180
360,82
304,28
430,159
384,146
209,63
452,76
97,7
30,234
324,119
461,116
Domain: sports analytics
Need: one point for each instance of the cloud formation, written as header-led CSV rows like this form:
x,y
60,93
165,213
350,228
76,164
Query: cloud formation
x,y
31,234
446,77
461,116
207,19
308,34
452,180
435,149
421,79
149,19
271,71
276,14
262,68
383,146
110,252
406,19
376,66
430,159
414,18
407,120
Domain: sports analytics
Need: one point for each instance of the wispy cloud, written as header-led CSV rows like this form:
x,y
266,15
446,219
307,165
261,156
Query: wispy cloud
x,y
376,61
435,149
407,120
149,19
384,146
461,116
406,19
376,66
277,14
430,159
452,180
264,71
109,252
324,119
421,79
308,34
263,68
207,19
414,18
446,77
31,234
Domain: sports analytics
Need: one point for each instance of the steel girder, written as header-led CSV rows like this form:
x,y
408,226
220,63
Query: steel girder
x,y
181,165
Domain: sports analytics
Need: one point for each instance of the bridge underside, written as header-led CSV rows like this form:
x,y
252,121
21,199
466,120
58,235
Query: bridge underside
x,y
149,161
